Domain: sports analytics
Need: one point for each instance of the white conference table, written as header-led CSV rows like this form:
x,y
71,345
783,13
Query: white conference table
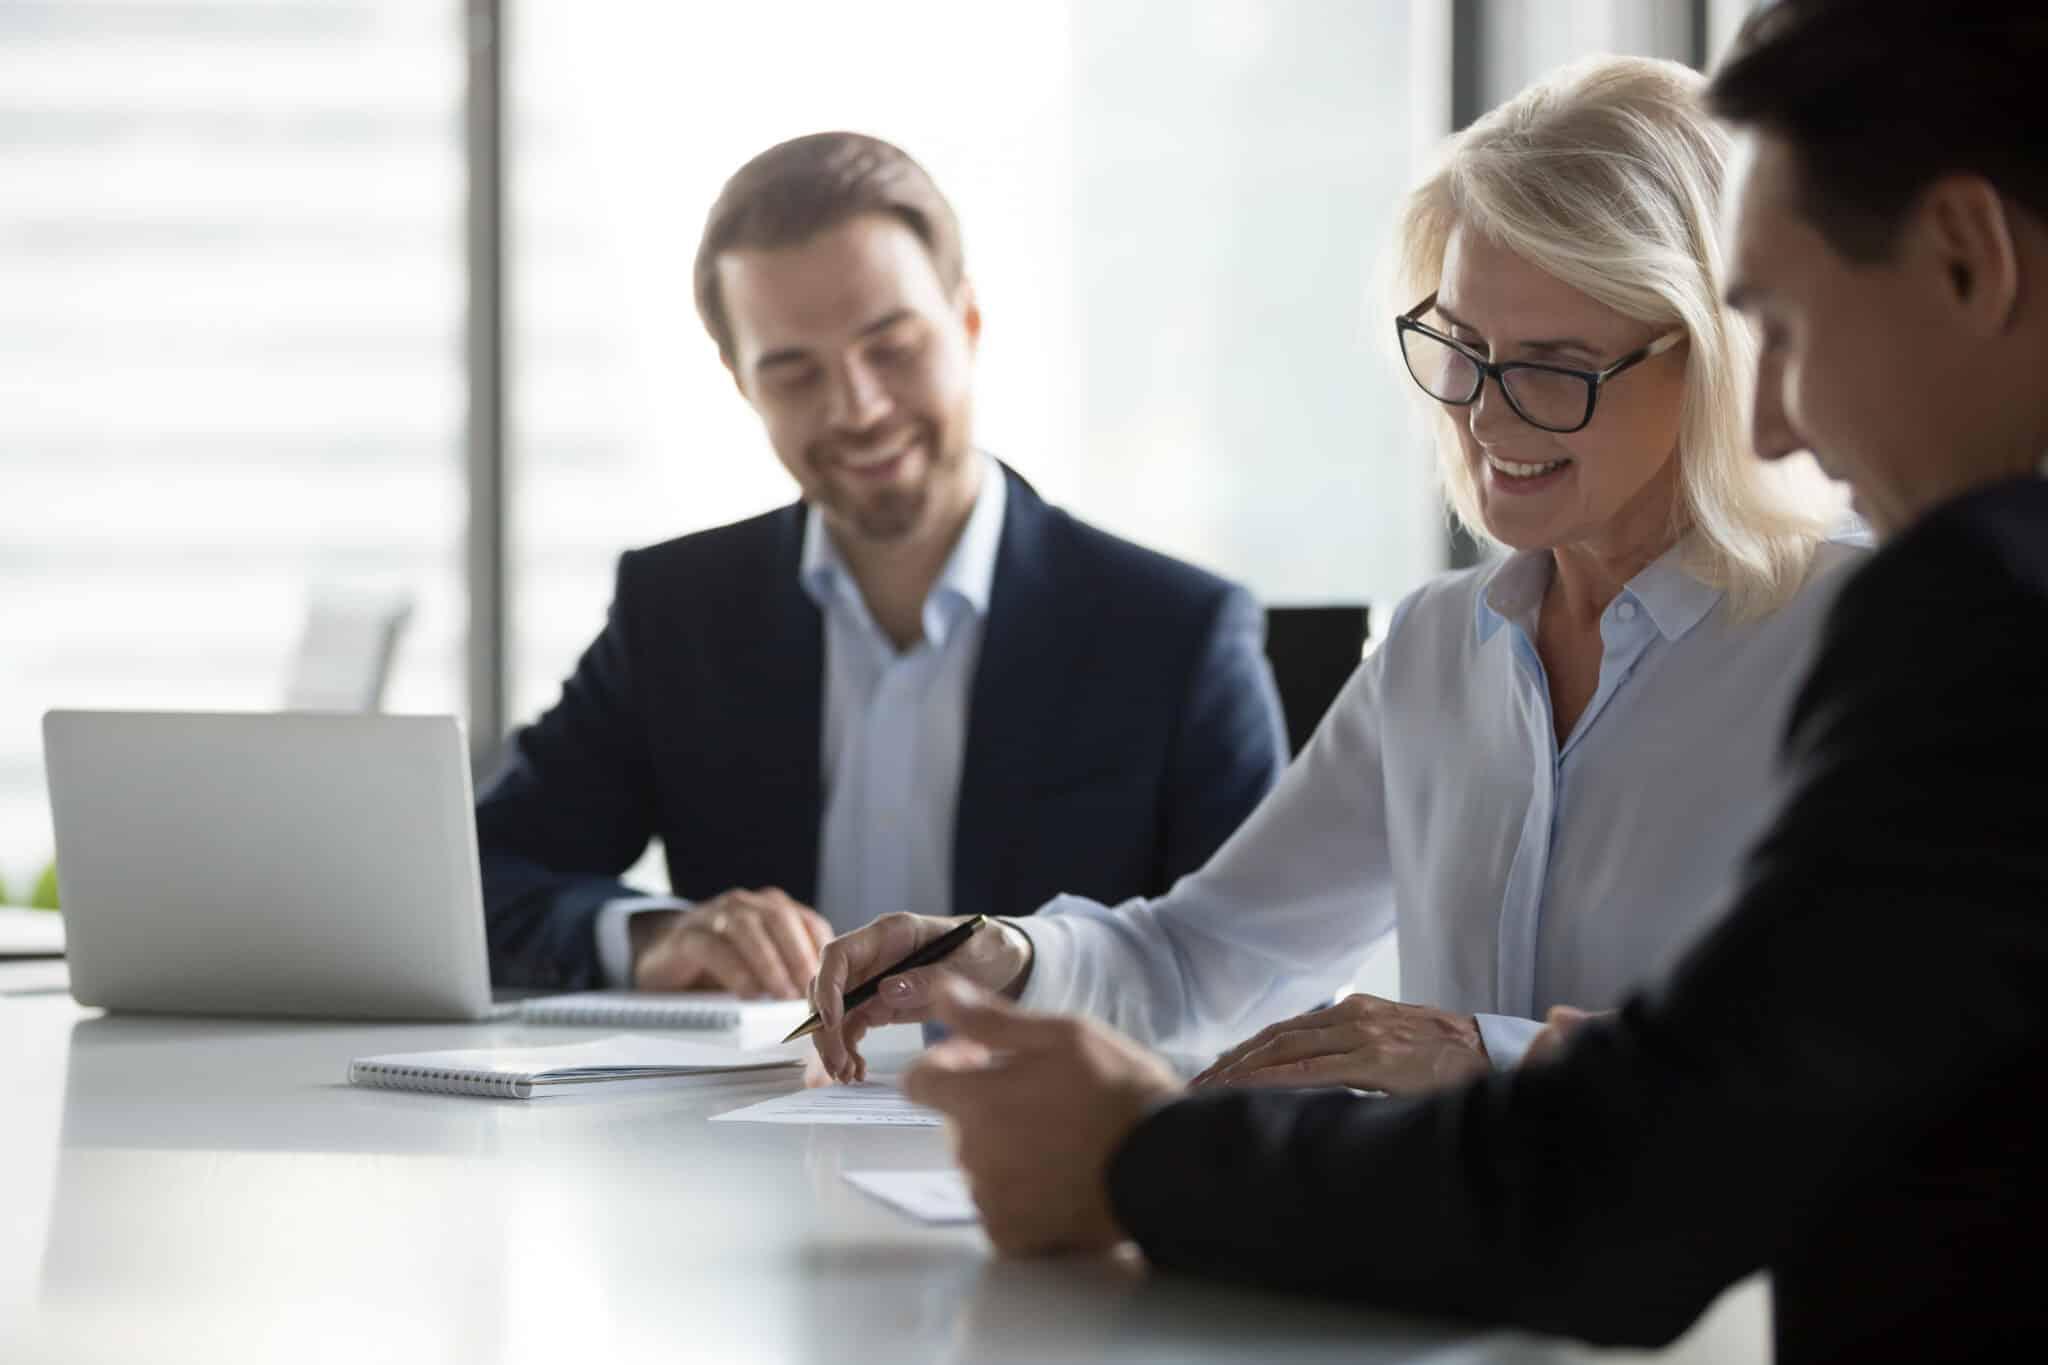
x,y
212,1190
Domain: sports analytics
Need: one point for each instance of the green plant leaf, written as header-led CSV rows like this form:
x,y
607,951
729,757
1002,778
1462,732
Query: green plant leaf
x,y
44,897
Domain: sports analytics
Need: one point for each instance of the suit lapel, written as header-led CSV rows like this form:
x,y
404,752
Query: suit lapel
x,y
781,713
1012,695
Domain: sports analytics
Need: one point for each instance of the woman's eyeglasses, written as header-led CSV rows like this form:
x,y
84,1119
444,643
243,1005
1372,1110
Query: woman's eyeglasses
x,y
1551,397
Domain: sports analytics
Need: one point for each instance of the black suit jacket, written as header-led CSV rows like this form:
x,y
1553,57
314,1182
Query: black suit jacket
x,y
1122,722
1844,1084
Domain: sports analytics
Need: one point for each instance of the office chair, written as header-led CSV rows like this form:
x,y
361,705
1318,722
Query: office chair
x,y
345,651
1313,651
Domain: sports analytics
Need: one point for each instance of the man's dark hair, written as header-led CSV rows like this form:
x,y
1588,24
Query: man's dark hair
x,y
1879,98
800,188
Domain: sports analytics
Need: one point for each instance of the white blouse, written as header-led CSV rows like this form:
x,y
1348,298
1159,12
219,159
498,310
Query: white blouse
x,y
1435,800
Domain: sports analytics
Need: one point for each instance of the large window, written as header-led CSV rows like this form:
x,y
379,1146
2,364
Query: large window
x,y
230,352
1172,209
231,300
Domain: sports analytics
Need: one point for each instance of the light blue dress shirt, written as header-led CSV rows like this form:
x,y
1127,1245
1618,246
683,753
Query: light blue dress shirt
x,y
894,731
1435,800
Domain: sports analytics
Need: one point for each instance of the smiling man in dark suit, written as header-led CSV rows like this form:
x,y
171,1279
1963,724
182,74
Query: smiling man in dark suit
x,y
920,688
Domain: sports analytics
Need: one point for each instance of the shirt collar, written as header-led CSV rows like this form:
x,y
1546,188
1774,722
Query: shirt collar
x,y
1675,599
1668,592
1512,591
969,573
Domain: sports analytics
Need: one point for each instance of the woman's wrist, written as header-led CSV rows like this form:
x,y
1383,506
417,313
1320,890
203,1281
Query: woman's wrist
x,y
1017,956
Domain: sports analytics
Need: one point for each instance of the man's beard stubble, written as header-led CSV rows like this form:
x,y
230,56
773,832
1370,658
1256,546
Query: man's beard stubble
x,y
891,514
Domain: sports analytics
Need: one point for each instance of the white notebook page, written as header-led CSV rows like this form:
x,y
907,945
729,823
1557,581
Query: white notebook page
x,y
623,1055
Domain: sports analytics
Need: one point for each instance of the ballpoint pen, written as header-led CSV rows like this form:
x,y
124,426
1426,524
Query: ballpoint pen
x,y
938,948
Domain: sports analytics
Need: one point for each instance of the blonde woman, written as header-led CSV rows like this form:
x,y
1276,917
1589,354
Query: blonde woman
x,y
1545,774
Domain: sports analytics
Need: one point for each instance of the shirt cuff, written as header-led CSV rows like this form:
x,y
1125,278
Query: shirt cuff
x,y
1049,987
614,940
936,1032
1506,1038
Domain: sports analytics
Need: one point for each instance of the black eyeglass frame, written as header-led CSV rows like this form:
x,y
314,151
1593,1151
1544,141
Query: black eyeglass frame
x,y
1483,368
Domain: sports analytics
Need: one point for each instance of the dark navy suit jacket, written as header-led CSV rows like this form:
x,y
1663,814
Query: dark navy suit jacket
x,y
1122,722
1841,1083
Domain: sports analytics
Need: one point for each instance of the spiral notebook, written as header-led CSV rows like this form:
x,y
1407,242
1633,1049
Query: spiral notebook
x,y
665,1010
518,1073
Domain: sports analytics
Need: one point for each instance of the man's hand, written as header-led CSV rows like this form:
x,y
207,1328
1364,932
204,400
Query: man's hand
x,y
998,958
752,943
1558,1027
1361,1041
1037,1105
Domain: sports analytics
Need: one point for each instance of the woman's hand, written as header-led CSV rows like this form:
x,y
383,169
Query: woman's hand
x,y
1361,1041
997,958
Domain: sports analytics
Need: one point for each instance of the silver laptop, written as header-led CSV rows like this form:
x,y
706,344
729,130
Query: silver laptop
x,y
310,864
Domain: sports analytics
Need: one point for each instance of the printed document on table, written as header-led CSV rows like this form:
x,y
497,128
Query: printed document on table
x,y
869,1102
929,1196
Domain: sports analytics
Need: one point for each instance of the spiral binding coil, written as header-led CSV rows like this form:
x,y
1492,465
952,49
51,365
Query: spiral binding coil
x,y
441,1082
635,1015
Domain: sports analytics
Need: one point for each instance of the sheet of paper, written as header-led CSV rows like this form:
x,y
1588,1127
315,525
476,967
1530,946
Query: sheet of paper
x,y
30,933
869,1102
19,976
938,1197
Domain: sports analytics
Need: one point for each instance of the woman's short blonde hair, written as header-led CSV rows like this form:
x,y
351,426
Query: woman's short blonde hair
x,y
1607,175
